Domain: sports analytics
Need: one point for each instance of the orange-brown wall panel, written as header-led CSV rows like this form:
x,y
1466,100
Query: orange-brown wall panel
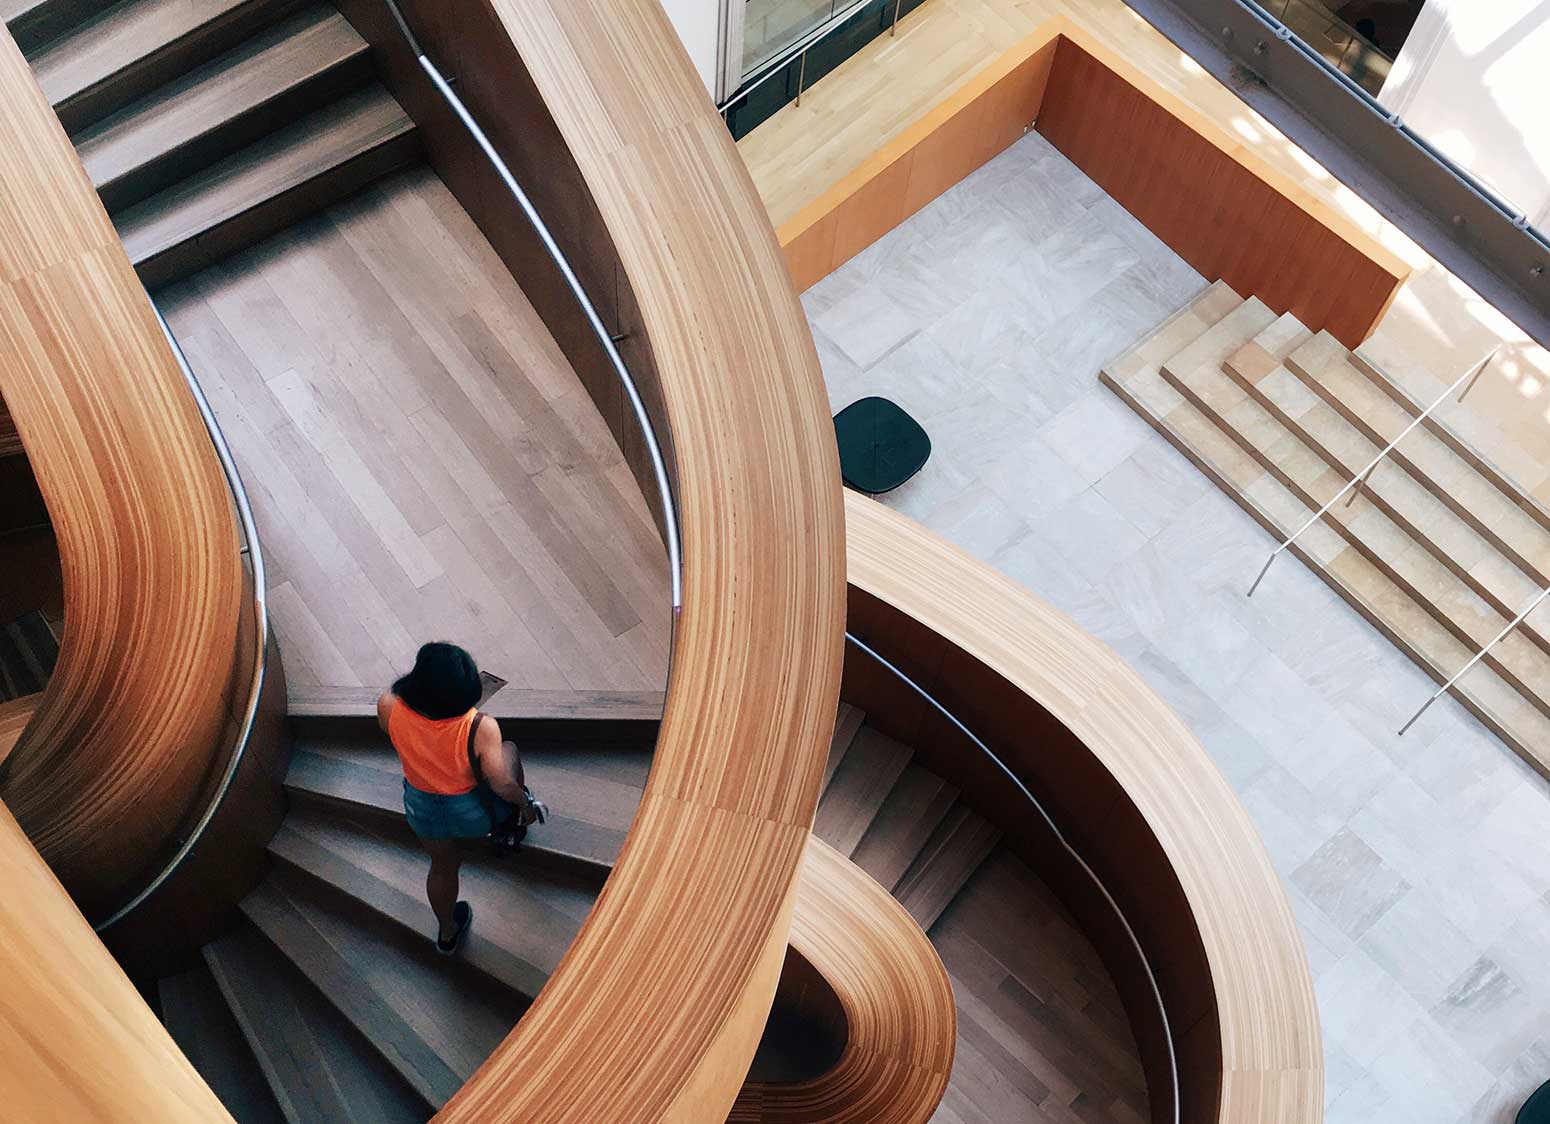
x,y
1196,191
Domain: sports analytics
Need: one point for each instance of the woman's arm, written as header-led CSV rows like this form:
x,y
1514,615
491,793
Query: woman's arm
x,y
499,762
384,709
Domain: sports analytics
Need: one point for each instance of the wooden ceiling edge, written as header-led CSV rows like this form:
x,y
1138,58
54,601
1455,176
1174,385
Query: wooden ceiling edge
x,y
1269,1023
898,1001
681,936
142,516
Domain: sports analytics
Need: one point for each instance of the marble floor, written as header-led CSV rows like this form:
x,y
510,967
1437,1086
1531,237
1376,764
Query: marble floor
x,y
1419,867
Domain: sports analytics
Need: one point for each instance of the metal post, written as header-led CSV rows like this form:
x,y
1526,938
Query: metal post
x,y
894,29
801,77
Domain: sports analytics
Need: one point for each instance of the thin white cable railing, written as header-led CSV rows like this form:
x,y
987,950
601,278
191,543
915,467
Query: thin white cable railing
x,y
250,547
1092,875
1480,655
1357,482
604,336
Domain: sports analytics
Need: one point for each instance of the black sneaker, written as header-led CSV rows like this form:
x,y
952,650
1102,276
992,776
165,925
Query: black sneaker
x,y
463,918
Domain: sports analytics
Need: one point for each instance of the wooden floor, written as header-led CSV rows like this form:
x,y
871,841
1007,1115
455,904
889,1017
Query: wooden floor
x,y
1041,1032
423,463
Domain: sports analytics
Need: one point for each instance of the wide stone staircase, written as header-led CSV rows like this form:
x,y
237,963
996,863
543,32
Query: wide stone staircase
x,y
1438,549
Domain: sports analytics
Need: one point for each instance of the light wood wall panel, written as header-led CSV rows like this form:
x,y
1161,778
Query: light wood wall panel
x,y
1127,784
967,129
131,723
1209,197
77,1042
1219,205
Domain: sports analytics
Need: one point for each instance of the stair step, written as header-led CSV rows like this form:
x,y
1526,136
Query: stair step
x,y
902,828
123,52
28,653
1384,604
32,23
960,843
591,801
10,439
1429,461
268,185
865,775
846,725
317,1065
1391,536
1441,425
275,915
200,1022
1327,433
526,918
266,82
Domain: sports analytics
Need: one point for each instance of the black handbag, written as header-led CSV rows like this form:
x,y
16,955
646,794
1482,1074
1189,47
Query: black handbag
x,y
508,822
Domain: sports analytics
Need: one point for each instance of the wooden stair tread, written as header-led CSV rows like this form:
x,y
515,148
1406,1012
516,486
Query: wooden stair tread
x,y
1523,728
200,1022
589,813
284,160
903,826
960,843
1436,467
527,918
337,979
1233,401
32,23
315,1063
862,781
227,102
847,724
133,46
28,653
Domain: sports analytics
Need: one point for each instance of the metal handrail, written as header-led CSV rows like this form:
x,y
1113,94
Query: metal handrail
x,y
1480,655
1092,875
778,62
1489,194
255,555
604,336
1357,482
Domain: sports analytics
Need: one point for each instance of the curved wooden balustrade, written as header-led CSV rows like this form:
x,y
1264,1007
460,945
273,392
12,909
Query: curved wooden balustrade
x,y
901,1022
109,767
1134,791
76,1040
656,1010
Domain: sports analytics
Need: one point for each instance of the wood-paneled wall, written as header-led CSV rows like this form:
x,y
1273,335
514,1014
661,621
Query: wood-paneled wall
x,y
1220,207
1217,204
1127,784
110,767
77,1042
978,121
657,1009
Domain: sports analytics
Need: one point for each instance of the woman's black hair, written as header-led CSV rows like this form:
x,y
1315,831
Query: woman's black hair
x,y
444,683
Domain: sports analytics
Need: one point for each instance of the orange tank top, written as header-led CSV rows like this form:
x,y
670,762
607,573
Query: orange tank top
x,y
433,752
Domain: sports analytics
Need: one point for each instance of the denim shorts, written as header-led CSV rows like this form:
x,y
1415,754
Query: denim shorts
x,y
463,816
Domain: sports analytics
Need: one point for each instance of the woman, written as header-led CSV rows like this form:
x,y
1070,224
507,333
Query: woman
x,y
430,716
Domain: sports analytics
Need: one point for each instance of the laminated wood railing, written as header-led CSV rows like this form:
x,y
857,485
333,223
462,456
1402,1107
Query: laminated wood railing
x,y
111,764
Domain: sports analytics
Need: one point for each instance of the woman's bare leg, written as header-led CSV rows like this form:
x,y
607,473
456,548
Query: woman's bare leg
x,y
442,882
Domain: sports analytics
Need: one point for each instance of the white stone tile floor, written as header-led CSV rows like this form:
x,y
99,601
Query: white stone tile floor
x,y
1419,868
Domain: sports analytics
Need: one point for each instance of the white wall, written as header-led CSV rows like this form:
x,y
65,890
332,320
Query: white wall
x,y
1474,79
699,26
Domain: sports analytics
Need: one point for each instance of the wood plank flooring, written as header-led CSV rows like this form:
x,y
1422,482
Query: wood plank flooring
x,y
1042,1035
422,461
